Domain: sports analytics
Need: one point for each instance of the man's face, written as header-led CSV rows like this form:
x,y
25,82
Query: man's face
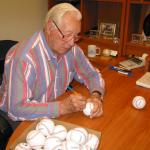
x,y
63,36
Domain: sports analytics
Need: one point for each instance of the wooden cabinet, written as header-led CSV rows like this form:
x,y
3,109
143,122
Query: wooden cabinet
x,y
96,12
136,12
127,15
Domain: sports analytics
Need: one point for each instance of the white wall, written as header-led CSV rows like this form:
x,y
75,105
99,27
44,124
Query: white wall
x,y
19,19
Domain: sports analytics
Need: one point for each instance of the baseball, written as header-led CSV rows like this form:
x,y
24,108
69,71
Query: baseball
x,y
52,143
139,102
35,139
106,52
23,146
92,141
88,109
46,127
77,135
69,145
85,147
60,131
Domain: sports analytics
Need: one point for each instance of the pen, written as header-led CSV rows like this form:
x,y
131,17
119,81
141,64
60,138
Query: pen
x,y
71,89
120,70
125,72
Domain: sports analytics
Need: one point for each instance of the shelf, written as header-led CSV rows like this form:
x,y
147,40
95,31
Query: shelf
x,y
136,12
138,49
103,43
96,12
136,45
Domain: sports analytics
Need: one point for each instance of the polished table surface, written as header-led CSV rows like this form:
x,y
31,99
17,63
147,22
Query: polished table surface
x,y
122,126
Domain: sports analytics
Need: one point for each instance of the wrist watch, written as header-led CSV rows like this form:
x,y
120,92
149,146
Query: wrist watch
x,y
97,94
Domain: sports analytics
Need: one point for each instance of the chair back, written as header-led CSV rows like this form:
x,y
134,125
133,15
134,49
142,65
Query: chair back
x,y
5,45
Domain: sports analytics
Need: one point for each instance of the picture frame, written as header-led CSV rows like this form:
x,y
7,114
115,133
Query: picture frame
x,y
147,41
107,29
94,33
137,38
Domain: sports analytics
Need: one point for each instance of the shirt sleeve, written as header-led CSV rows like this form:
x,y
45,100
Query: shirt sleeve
x,y
86,73
21,104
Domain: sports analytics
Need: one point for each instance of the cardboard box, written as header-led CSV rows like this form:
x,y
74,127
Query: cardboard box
x,y
22,137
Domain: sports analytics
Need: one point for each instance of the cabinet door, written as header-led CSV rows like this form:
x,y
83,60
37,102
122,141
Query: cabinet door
x,y
103,23
136,42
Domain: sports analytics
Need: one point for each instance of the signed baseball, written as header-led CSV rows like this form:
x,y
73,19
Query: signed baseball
x,y
92,141
51,143
88,109
23,146
35,139
60,131
139,102
69,145
77,135
45,126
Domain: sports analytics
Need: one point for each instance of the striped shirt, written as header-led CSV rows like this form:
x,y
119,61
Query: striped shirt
x,y
34,78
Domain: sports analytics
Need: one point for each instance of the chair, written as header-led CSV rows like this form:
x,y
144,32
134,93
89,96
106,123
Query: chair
x,y
5,45
5,128
5,132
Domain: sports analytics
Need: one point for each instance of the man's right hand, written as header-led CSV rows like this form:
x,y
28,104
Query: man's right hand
x,y
73,103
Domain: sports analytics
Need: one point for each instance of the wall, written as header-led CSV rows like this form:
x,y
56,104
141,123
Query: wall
x,y
19,19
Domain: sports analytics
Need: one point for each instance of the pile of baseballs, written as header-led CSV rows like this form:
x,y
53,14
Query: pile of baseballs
x,y
49,136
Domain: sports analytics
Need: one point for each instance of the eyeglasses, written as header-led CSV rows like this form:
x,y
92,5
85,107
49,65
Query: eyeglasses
x,y
67,37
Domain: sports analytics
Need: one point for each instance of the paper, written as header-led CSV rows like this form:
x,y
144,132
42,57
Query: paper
x,y
144,81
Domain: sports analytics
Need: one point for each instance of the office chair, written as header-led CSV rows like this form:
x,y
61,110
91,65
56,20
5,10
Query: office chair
x,y
5,128
5,132
5,45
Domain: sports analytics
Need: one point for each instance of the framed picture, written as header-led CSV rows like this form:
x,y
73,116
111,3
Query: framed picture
x,y
94,33
147,41
107,29
137,38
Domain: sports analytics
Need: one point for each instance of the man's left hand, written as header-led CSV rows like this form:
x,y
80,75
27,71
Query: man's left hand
x,y
97,102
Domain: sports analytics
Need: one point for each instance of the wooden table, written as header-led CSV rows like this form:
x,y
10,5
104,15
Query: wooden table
x,y
123,127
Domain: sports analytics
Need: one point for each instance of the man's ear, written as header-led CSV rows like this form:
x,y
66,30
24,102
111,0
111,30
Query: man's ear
x,y
49,26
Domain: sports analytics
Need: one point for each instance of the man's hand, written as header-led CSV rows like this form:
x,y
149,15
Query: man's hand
x,y
73,103
96,99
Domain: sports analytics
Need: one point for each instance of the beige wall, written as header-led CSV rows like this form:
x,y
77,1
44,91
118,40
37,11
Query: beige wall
x,y
19,19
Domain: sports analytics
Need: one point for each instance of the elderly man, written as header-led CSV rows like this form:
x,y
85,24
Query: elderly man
x,y
41,68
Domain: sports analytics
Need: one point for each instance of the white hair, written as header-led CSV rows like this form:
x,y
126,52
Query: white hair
x,y
58,11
